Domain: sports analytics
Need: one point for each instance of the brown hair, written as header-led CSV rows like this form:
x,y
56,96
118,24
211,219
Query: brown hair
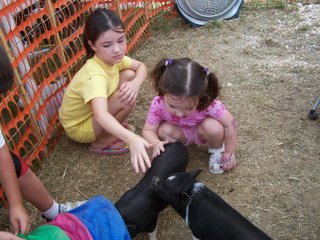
x,y
6,71
185,78
100,21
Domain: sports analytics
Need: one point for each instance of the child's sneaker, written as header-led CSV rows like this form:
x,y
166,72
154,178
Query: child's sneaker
x,y
67,206
60,208
215,160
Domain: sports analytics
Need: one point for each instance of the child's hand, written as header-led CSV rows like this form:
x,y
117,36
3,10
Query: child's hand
x,y
228,161
19,219
139,155
128,92
158,148
8,236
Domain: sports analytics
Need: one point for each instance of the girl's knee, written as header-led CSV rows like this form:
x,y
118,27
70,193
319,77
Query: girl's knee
x,y
210,127
115,105
126,76
168,131
128,107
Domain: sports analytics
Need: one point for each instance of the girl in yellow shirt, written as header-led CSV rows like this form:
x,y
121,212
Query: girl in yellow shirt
x,y
103,92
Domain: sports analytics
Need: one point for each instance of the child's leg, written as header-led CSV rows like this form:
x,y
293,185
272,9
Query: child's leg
x,y
117,109
120,112
212,132
170,132
31,187
34,192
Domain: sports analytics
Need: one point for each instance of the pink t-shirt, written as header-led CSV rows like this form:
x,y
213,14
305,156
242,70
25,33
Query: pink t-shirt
x,y
158,112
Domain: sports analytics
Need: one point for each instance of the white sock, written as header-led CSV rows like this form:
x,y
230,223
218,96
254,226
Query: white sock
x,y
52,211
214,150
215,160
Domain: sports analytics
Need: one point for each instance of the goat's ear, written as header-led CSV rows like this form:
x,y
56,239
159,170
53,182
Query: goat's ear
x,y
195,173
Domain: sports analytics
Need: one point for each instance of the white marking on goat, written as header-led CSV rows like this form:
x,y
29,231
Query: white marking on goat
x,y
197,187
187,214
171,178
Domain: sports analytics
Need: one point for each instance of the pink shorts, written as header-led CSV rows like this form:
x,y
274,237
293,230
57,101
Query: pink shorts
x,y
192,137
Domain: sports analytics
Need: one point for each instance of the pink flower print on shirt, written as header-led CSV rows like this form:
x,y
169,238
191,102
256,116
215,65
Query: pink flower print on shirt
x,y
158,100
175,119
157,113
216,110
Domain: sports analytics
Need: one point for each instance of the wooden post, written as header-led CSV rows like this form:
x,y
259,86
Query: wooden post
x,y
57,37
146,9
118,8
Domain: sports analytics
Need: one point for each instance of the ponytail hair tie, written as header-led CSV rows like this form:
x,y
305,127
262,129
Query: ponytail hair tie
x,y
168,62
206,69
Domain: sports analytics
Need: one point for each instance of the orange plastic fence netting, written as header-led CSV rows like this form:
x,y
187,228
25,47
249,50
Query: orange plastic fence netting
x,y
44,42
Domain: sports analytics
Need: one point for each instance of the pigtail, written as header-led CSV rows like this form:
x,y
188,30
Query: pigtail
x,y
213,88
212,92
156,76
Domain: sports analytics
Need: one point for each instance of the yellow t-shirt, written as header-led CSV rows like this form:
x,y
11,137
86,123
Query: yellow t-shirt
x,y
94,79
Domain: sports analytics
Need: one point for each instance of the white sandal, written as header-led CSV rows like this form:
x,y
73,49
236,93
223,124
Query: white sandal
x,y
215,160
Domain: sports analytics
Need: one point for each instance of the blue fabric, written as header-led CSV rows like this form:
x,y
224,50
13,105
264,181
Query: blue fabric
x,y
102,219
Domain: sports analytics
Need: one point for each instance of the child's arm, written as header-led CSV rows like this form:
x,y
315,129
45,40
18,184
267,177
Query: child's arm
x,y
18,216
129,90
137,145
149,132
230,131
8,236
141,72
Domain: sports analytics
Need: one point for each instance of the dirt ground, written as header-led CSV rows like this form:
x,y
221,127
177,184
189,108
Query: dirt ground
x,y
268,63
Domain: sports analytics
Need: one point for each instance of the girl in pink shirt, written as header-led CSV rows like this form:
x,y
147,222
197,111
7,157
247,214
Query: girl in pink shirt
x,y
187,110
